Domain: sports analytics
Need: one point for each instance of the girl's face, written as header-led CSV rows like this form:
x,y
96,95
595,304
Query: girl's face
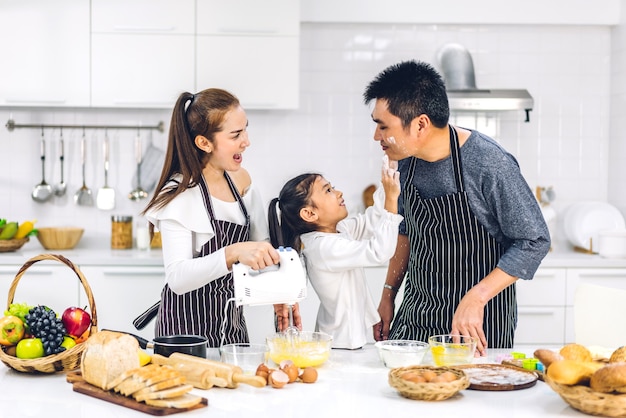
x,y
230,142
328,205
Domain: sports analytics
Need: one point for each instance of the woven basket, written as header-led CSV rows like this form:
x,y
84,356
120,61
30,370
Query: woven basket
x,y
588,401
430,391
66,360
7,245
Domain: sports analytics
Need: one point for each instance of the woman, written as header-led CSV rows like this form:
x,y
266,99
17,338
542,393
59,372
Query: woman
x,y
210,217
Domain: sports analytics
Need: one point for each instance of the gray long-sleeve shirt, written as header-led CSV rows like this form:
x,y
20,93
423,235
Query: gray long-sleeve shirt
x,y
498,195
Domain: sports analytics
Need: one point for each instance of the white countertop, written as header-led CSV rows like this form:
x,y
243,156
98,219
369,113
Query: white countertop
x,y
350,384
97,251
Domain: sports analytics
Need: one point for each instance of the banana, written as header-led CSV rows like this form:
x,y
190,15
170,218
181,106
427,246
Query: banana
x,y
9,230
24,229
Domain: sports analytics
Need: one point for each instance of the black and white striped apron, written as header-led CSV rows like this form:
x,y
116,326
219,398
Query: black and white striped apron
x,y
450,253
201,311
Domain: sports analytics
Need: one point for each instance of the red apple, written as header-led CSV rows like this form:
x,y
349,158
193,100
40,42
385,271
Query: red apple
x,y
76,321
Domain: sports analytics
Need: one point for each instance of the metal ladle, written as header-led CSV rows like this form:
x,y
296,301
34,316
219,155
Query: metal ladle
x,y
43,191
59,189
138,193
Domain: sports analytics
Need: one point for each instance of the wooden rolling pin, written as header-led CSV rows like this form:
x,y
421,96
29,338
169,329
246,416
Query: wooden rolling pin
x,y
199,377
231,373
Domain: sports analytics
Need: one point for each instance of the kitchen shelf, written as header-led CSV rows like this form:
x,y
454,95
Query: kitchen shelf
x,y
11,125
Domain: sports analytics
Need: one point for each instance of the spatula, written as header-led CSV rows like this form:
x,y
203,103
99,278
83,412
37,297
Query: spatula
x,y
105,200
83,196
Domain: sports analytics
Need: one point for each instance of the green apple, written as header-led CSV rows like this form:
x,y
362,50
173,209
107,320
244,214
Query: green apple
x,y
68,342
29,348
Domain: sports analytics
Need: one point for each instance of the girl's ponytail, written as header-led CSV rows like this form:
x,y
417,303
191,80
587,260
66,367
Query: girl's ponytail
x,y
276,235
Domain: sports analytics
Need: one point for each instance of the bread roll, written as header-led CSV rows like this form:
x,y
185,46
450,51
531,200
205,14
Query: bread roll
x,y
618,355
610,378
547,357
576,352
108,354
572,372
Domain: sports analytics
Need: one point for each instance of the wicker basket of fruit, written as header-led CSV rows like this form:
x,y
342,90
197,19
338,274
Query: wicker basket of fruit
x,y
43,321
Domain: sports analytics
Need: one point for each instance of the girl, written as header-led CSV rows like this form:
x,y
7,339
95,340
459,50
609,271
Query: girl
x,y
210,217
313,220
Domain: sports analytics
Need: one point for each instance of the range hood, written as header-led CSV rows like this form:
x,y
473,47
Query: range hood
x,y
457,67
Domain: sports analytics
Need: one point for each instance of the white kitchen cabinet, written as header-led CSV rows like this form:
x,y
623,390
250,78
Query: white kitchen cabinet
x,y
541,308
45,46
142,71
122,293
250,48
142,52
608,277
45,282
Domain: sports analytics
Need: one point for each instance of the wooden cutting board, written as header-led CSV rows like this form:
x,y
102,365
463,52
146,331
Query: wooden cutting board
x,y
79,385
498,377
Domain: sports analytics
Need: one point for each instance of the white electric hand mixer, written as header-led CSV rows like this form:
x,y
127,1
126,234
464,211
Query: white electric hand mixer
x,y
282,283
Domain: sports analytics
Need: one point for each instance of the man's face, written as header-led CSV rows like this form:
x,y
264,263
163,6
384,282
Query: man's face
x,y
394,139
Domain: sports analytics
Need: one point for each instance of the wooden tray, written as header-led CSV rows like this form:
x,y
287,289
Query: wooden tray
x,y
80,386
498,377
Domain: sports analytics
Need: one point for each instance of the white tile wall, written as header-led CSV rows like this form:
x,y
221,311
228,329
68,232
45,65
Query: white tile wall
x,y
567,69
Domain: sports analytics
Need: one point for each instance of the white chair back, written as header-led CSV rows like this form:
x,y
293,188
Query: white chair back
x,y
599,314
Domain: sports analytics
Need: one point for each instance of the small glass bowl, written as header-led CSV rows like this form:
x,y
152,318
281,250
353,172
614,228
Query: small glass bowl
x,y
450,350
401,353
245,355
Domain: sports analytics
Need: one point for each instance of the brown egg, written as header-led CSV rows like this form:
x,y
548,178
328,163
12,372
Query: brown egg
x,y
309,375
278,379
444,377
429,375
292,371
416,378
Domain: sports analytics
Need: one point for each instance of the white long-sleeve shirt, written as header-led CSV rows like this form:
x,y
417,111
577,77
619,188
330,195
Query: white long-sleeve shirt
x,y
335,264
185,227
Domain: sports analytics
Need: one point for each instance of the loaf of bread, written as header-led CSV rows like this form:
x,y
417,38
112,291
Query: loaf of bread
x,y
572,372
547,357
610,378
618,355
107,355
576,352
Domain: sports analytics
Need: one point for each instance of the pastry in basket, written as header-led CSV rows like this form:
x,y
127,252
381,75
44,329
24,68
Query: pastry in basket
x,y
610,378
618,355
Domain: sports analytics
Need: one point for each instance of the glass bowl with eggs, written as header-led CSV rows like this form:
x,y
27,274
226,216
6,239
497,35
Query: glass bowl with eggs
x,y
304,348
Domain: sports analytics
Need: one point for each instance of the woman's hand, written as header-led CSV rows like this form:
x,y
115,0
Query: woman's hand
x,y
256,254
282,316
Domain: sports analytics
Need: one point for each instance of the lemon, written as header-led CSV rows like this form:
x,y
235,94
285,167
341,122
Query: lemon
x,y
144,358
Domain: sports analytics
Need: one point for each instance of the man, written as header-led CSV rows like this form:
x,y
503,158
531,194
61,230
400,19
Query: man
x,y
471,228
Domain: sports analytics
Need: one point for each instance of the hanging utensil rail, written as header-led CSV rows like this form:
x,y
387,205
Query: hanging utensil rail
x,y
11,125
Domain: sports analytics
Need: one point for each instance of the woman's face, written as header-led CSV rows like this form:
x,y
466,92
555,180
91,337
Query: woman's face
x,y
230,143
328,205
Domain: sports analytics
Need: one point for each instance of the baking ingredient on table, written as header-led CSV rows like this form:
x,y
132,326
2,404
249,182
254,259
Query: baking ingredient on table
x,y
229,372
498,377
287,372
429,383
106,356
199,377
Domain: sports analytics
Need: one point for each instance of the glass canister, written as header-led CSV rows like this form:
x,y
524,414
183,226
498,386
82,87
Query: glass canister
x,y
121,232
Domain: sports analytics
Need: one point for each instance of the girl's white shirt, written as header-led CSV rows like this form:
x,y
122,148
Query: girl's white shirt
x,y
185,227
335,265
